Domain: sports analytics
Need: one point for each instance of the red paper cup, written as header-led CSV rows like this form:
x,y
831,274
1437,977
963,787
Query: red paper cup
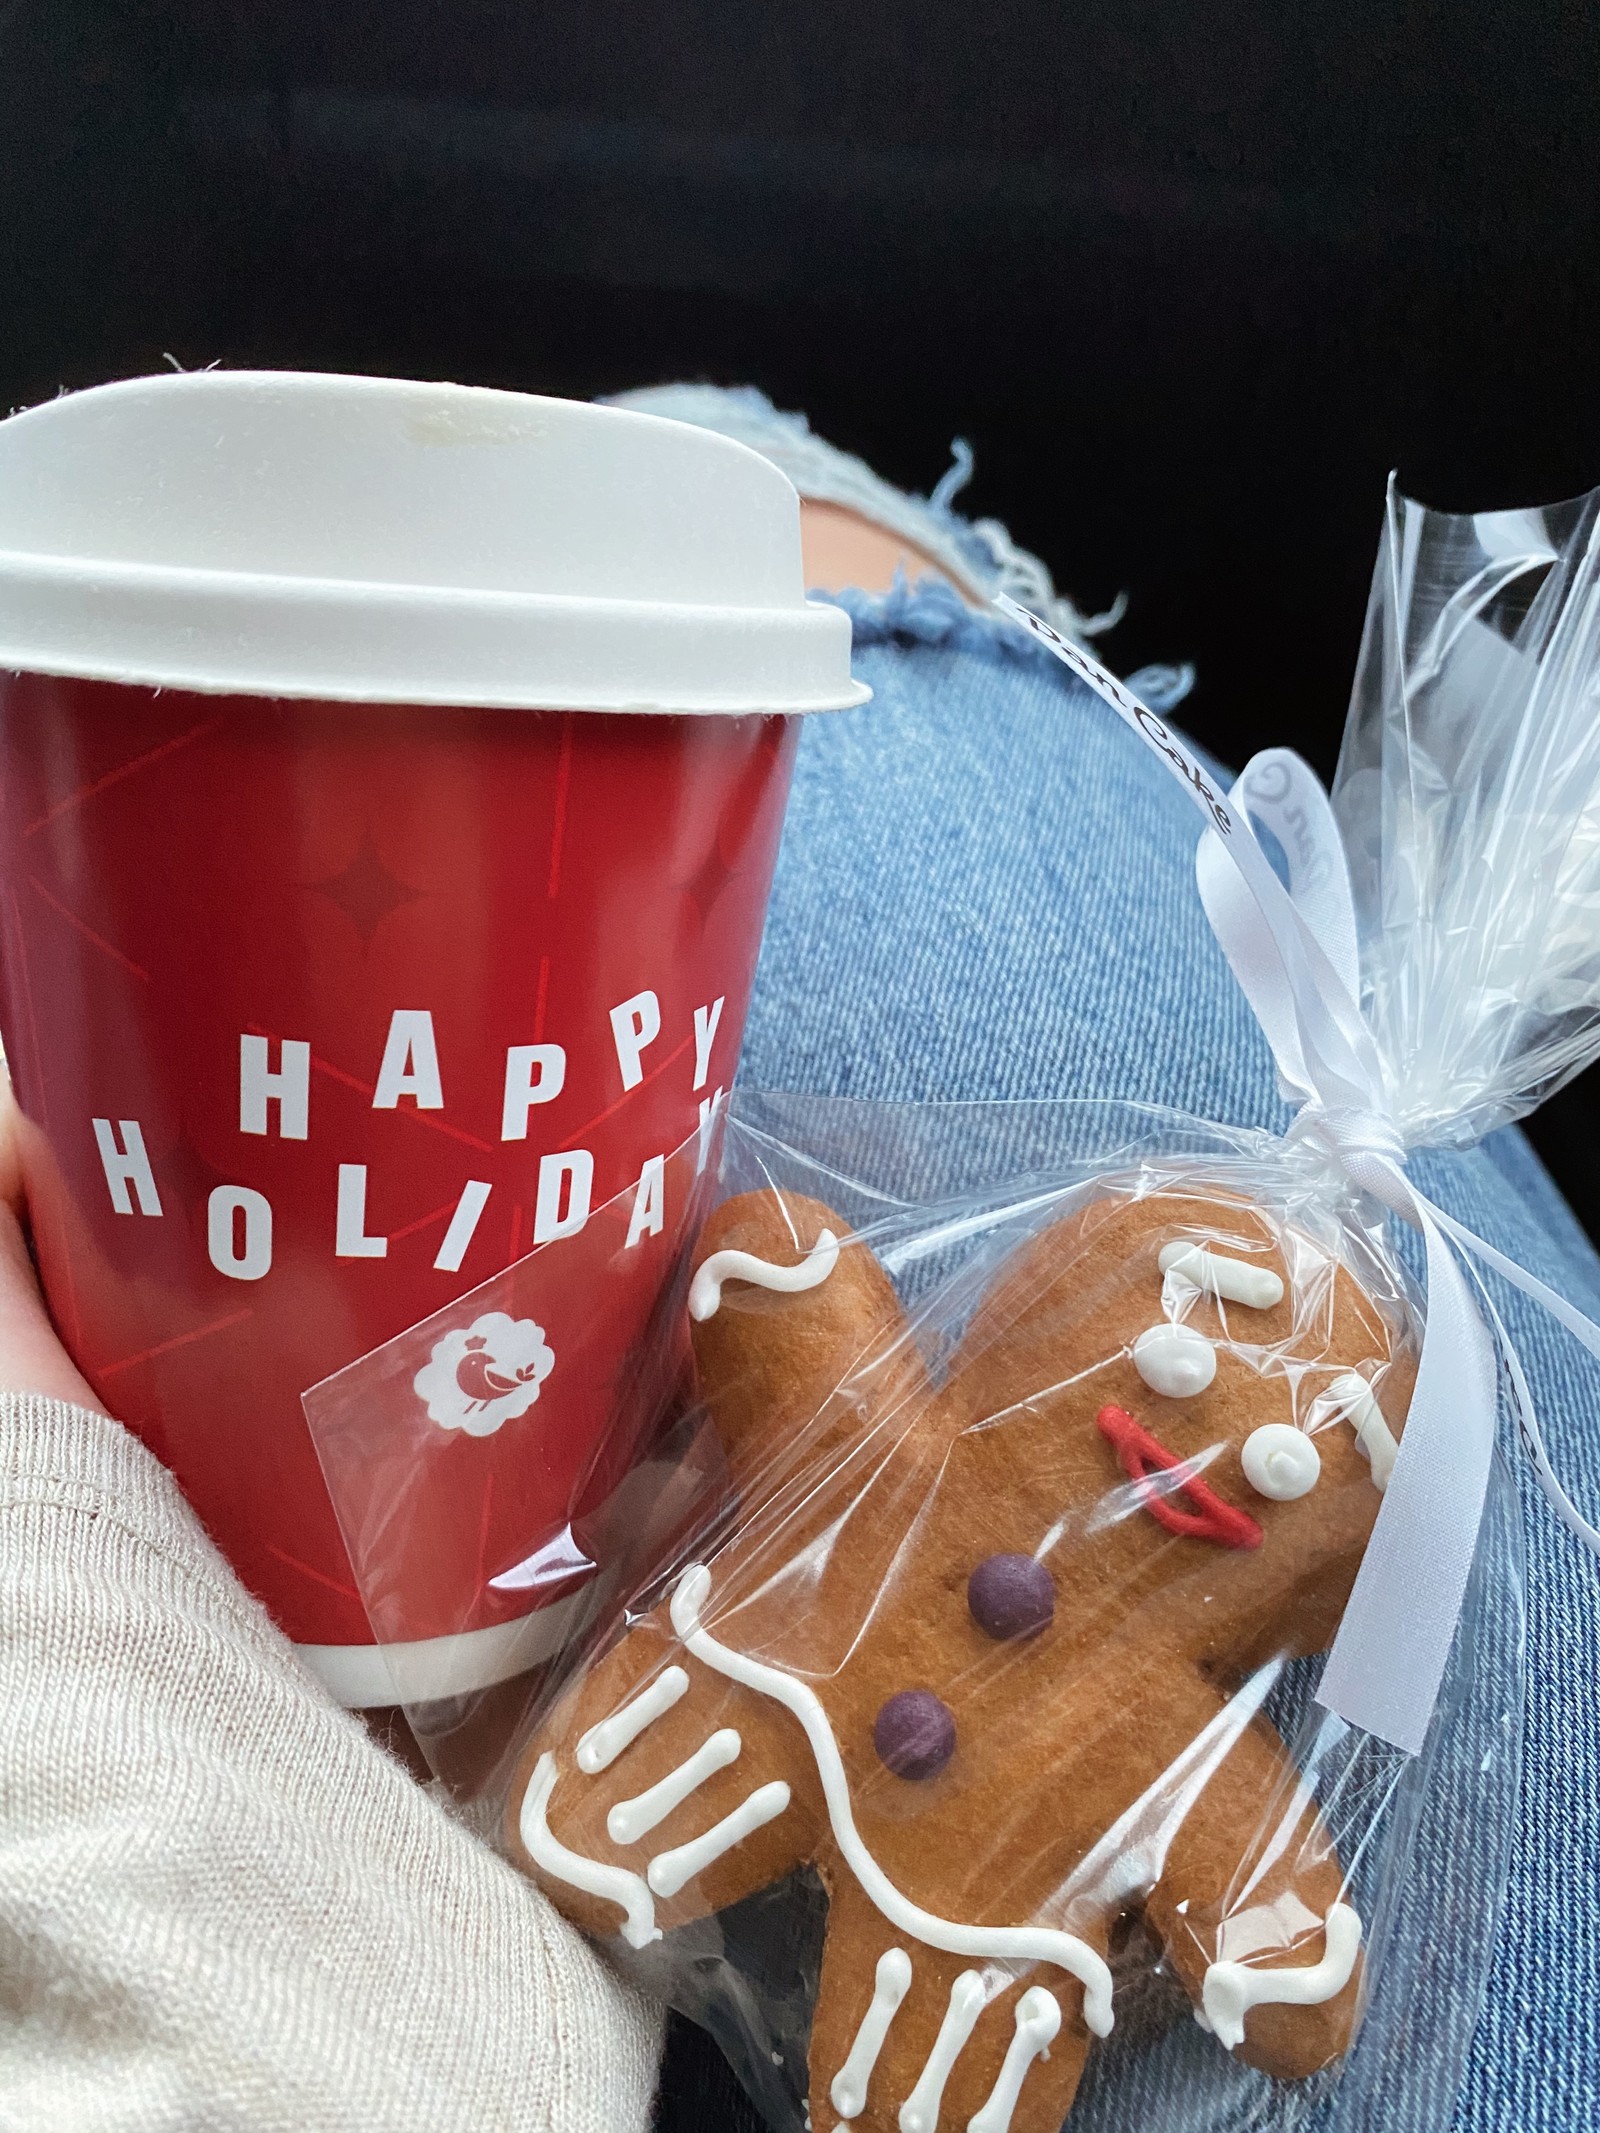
x,y
350,948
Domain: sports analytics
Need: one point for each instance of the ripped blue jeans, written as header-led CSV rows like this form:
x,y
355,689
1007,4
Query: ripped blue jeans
x,y
986,890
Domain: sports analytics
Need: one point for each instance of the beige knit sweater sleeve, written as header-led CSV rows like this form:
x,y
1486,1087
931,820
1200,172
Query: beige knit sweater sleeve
x,y
220,1906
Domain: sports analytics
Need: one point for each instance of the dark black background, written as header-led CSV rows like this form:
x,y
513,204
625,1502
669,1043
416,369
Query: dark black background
x,y
1192,278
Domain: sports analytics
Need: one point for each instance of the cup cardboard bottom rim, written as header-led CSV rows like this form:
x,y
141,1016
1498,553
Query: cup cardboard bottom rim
x,y
364,1677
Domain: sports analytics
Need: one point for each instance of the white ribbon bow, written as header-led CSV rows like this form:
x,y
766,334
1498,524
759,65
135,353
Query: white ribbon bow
x,y
1294,952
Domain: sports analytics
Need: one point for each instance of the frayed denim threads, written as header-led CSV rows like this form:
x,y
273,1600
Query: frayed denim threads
x,y
931,612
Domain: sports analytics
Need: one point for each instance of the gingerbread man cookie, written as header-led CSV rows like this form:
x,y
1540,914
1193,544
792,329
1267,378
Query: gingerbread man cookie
x,y
992,1654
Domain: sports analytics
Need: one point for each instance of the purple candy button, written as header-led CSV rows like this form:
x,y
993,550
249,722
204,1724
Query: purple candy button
x,y
915,1734
1011,1596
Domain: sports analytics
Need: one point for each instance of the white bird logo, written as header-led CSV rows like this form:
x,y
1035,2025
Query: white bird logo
x,y
485,1374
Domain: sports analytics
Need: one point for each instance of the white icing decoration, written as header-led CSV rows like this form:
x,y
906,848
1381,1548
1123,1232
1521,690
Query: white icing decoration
x,y
1176,1361
848,2094
1280,1461
602,1744
668,1871
1236,1279
705,1291
1038,2019
1352,1400
629,1820
1232,1989
1042,1944
614,1883
920,2111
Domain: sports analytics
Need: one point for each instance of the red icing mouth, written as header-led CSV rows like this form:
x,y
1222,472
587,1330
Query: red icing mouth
x,y
1140,1453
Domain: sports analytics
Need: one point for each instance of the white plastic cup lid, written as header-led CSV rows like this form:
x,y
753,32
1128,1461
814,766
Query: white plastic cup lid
x,y
273,533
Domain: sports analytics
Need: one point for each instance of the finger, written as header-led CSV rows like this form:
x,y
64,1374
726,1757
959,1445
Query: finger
x,y
10,1143
32,1358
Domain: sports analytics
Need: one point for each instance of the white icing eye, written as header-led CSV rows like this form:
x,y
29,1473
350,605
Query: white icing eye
x,y
1176,1361
1280,1461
